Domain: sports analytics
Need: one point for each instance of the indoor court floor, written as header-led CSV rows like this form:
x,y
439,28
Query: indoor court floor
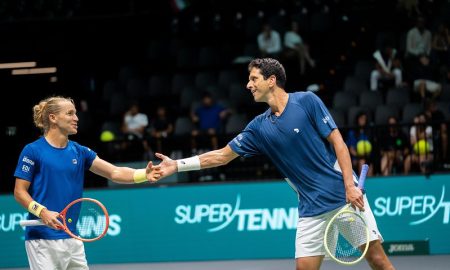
x,y
434,262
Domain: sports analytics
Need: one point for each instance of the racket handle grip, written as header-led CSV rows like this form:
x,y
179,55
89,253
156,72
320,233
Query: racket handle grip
x,y
33,222
362,176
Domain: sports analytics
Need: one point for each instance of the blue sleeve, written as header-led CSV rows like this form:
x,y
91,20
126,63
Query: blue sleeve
x,y
89,156
26,164
319,114
246,143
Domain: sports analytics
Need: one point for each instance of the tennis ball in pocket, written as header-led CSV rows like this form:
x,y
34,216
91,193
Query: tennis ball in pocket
x,y
363,148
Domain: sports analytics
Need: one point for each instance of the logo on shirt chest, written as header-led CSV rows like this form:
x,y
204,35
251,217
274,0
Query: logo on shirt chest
x,y
74,161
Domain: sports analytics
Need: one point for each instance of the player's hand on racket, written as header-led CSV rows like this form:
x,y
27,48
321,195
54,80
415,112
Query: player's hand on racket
x,y
51,219
355,197
168,166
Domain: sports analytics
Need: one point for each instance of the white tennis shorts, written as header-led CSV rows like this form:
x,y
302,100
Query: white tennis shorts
x,y
311,231
58,254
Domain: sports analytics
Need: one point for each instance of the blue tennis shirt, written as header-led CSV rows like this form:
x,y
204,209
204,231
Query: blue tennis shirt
x,y
56,176
296,143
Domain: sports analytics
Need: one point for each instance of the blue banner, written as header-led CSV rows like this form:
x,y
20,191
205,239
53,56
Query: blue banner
x,y
234,220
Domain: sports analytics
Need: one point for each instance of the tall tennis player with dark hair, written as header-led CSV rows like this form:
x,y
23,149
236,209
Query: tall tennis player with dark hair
x,y
301,138
50,174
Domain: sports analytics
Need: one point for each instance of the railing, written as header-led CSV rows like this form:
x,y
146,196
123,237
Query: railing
x,y
423,158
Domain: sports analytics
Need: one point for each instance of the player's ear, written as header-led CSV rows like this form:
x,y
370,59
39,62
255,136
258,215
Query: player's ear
x,y
52,117
272,80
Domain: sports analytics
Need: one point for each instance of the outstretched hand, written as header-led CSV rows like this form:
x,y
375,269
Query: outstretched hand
x,y
153,172
167,166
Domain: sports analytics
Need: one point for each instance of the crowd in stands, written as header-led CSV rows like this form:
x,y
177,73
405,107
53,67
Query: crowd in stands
x,y
178,85
391,102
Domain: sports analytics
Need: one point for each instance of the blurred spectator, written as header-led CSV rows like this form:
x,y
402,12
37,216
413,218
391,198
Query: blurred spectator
x,y
208,118
418,40
360,143
296,49
425,78
439,125
387,67
421,142
410,8
161,129
133,128
440,46
269,42
394,148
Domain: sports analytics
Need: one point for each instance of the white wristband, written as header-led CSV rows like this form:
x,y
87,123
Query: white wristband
x,y
188,164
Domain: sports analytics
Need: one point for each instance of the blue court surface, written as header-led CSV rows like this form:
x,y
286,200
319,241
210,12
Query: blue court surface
x,y
432,262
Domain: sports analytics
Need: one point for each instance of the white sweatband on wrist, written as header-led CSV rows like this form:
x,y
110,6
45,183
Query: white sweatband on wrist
x,y
139,176
189,164
35,208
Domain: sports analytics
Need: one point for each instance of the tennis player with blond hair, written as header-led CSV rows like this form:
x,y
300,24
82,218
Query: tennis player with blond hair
x,y
50,174
300,137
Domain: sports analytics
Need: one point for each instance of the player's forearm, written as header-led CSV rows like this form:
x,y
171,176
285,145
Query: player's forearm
x,y
122,175
343,157
22,197
213,159
345,163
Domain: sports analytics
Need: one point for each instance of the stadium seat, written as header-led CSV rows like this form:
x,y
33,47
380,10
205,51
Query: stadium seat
x,y
338,117
158,85
343,100
409,111
226,77
187,57
205,78
353,111
383,112
444,106
209,57
370,99
181,80
363,68
235,123
136,88
397,97
183,126
354,85
188,95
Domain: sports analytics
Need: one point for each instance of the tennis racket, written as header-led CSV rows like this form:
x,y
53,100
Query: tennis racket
x,y
347,236
84,219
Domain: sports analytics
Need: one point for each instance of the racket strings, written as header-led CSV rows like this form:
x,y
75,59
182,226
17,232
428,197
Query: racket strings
x,y
347,233
91,221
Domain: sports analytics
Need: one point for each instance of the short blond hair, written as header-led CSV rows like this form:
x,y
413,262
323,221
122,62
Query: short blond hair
x,y
44,108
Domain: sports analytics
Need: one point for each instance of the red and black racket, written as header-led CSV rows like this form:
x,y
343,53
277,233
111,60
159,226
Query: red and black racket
x,y
84,219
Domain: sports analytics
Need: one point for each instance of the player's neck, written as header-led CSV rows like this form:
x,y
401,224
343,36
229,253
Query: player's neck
x,y
278,101
56,139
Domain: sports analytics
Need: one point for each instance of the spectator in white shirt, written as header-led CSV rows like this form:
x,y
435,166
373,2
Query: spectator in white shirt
x,y
134,124
269,42
418,40
387,67
296,48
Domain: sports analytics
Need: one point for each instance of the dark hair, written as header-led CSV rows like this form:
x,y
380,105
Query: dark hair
x,y
269,67
358,115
